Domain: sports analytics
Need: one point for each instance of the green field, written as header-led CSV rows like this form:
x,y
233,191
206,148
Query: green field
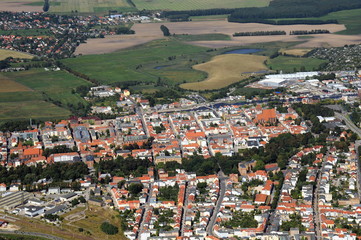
x,y
91,6
192,4
169,60
47,88
289,64
208,18
351,18
31,109
57,85
202,37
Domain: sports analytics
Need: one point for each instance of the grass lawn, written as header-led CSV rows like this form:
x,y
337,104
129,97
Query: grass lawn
x,y
168,59
57,85
95,216
91,6
288,64
4,53
202,37
226,69
192,4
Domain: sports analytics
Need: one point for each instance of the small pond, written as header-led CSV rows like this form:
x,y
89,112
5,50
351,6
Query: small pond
x,y
244,51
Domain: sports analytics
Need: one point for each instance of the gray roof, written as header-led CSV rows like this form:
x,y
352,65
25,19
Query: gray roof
x,y
55,209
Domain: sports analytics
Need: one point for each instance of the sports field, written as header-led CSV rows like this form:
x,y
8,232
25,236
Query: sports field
x,y
194,4
91,6
224,70
14,54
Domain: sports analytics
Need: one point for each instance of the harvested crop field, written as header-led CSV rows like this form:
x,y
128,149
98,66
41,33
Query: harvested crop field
x,y
8,85
145,32
8,53
295,52
20,5
224,70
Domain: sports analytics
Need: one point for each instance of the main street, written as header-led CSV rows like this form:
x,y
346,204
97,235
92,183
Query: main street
x,y
222,190
145,208
316,210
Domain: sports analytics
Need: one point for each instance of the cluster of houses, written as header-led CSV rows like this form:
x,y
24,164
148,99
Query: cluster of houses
x,y
172,135
44,42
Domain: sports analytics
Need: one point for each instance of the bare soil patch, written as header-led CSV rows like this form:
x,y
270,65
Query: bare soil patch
x,y
19,6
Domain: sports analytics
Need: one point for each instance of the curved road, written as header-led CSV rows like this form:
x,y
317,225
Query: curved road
x,y
222,187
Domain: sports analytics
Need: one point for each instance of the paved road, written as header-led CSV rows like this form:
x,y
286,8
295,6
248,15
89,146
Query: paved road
x,y
358,182
348,122
222,186
316,210
185,208
43,235
146,207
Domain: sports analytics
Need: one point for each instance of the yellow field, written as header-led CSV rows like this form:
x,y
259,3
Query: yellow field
x,y
226,69
299,52
8,85
4,53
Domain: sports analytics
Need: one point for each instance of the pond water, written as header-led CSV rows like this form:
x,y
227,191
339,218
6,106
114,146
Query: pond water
x,y
244,51
160,67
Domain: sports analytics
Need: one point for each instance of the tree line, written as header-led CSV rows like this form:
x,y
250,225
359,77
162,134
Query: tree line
x,y
294,9
276,9
259,33
305,32
29,174
285,22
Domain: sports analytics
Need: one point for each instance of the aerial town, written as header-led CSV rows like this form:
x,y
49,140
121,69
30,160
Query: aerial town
x,y
312,193
180,120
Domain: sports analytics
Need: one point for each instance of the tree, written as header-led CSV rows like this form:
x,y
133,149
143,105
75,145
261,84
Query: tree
x,y
74,202
165,30
135,188
108,228
46,6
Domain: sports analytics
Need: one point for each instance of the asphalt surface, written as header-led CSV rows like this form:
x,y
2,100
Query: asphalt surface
x,y
222,186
